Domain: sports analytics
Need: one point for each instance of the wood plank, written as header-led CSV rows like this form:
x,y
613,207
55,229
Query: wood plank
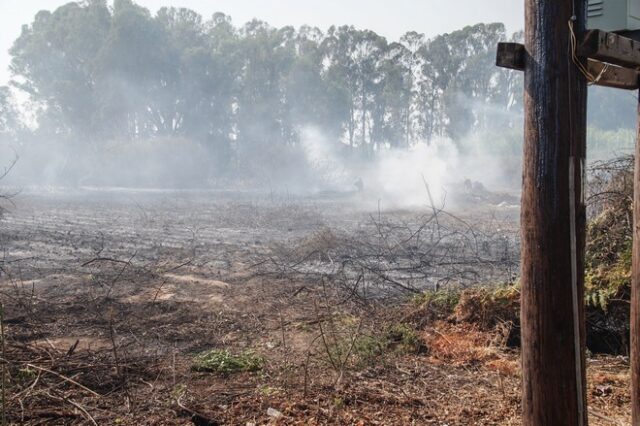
x,y
611,48
511,55
553,220
614,76
632,34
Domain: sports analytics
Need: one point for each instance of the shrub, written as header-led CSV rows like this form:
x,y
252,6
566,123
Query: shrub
x,y
224,362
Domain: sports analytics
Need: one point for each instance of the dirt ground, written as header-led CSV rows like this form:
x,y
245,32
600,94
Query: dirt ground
x,y
111,297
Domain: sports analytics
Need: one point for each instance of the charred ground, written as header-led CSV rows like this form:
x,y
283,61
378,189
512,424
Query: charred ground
x,y
222,308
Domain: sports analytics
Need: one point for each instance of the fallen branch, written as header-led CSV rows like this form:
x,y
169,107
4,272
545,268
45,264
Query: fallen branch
x,y
65,378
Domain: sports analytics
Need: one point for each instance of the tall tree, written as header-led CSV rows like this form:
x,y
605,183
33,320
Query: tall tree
x,y
10,125
102,73
55,60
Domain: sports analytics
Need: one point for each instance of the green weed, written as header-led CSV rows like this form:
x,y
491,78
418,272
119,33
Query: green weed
x,y
224,362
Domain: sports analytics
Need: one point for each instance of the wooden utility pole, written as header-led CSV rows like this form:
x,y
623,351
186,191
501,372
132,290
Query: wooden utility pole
x,y
635,289
553,218
553,212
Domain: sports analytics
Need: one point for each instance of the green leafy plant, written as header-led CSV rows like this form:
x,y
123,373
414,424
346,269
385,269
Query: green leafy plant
x,y
224,362
445,300
403,338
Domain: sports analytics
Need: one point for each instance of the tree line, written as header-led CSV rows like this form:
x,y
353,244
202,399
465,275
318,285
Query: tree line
x,y
97,73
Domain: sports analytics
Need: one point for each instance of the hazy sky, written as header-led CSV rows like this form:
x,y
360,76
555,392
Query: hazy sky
x,y
390,18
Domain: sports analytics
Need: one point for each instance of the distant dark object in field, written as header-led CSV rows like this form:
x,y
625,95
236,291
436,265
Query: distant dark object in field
x,y
359,184
476,192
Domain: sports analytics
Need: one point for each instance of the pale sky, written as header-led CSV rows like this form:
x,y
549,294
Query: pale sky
x,y
390,18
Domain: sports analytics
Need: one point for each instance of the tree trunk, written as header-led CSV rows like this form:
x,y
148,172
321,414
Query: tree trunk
x,y
364,117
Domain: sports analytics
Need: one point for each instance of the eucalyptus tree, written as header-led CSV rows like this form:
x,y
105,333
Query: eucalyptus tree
x,y
356,58
245,94
54,61
479,77
179,99
10,125
459,76
312,96
199,97
136,70
214,75
413,63
342,72
392,97
262,126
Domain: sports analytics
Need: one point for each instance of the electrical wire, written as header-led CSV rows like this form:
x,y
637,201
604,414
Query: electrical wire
x,y
591,79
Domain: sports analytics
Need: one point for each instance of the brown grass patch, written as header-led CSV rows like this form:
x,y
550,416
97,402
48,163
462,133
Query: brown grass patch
x,y
460,344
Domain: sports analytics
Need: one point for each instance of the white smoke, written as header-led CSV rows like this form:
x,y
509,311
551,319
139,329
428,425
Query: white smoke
x,y
398,178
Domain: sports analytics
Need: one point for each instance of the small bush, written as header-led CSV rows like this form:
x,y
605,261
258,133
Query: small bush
x,y
365,348
404,339
224,362
362,349
398,338
441,300
488,307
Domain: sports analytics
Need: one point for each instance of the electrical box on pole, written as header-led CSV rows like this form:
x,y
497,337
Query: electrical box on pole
x,y
613,15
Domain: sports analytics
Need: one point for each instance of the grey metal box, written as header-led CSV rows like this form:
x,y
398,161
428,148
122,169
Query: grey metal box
x,y
613,15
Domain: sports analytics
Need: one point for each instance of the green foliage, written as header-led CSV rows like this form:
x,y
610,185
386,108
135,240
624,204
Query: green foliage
x,y
613,111
403,339
608,282
246,94
26,374
505,294
365,348
486,305
443,300
361,349
609,235
497,142
489,306
178,391
448,300
9,116
602,144
122,73
224,362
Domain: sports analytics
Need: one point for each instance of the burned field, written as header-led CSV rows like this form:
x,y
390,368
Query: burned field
x,y
226,308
